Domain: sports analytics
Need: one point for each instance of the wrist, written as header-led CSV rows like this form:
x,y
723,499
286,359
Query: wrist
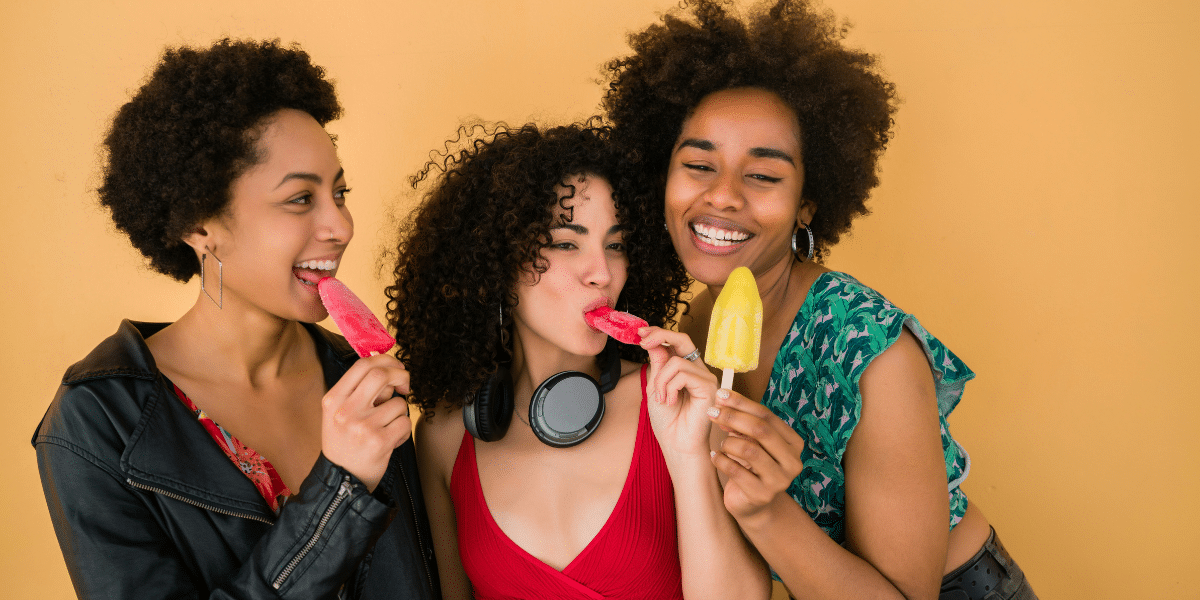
x,y
769,516
689,464
692,476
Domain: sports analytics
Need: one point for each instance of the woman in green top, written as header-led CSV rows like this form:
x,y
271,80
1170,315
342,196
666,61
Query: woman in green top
x,y
845,477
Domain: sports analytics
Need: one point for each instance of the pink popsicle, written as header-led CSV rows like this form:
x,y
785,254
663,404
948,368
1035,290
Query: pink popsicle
x,y
621,326
362,329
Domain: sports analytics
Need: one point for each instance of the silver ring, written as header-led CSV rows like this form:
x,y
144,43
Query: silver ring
x,y
694,355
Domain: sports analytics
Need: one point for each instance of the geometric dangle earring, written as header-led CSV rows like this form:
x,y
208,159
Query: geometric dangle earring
x,y
219,300
811,243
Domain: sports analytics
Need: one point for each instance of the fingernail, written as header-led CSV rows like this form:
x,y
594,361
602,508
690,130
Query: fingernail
x,y
712,453
713,412
723,394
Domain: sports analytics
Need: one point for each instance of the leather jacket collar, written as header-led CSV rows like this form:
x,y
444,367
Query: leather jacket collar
x,y
166,428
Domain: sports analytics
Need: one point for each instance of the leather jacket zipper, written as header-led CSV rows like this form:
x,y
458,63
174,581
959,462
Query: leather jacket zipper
x,y
342,494
416,526
207,507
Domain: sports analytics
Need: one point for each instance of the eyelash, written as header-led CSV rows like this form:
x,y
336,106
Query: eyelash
x,y
708,169
618,246
306,199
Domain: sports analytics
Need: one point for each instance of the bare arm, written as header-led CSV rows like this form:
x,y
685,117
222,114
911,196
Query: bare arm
x,y
437,447
896,502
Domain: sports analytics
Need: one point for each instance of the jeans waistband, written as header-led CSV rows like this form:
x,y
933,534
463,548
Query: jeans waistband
x,y
984,576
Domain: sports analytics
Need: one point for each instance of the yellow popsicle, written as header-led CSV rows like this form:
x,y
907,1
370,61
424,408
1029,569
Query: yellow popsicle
x,y
735,329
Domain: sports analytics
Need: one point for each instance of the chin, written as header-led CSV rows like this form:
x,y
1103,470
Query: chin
x,y
592,345
310,314
709,270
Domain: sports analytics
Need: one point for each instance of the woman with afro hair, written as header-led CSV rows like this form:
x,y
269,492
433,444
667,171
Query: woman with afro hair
x,y
764,136
241,451
522,233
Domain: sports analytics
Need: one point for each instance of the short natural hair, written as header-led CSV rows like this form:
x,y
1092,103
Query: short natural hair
x,y
483,222
174,150
842,100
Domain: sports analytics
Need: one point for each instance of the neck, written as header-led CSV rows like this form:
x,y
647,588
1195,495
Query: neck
x,y
774,285
534,363
237,344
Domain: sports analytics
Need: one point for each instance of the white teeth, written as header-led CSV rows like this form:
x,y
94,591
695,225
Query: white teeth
x,y
318,265
719,237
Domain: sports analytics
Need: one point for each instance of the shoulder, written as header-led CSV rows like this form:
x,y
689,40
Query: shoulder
x,y
838,298
103,397
840,314
123,354
853,325
438,438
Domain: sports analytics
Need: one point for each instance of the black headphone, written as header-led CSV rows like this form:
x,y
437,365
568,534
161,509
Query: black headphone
x,y
564,410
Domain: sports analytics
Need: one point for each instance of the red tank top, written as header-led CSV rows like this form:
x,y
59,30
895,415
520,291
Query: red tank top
x,y
635,554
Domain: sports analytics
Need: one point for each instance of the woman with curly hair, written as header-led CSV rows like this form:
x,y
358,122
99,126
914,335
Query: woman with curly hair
x,y
765,135
520,235
241,451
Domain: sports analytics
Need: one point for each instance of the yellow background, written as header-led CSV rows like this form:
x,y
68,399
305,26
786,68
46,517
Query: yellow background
x,y
1034,213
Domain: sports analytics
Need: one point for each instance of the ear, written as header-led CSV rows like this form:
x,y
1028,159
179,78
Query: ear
x,y
808,209
202,236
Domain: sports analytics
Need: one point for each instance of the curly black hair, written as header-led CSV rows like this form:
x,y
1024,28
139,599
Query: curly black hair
x,y
483,221
174,150
842,100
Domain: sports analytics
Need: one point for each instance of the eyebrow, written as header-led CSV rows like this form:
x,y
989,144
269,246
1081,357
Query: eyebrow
x,y
581,230
756,152
697,144
313,177
759,152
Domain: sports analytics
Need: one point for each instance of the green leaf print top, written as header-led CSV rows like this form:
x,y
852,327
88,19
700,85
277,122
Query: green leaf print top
x,y
841,327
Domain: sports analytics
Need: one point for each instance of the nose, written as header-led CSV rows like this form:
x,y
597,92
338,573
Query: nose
x,y
598,269
725,191
334,223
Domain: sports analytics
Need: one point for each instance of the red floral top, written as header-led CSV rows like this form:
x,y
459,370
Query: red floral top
x,y
257,468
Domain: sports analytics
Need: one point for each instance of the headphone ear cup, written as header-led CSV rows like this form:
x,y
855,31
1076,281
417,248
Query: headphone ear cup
x,y
488,417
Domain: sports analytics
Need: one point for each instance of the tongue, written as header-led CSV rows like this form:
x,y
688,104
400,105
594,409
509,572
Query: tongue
x,y
310,276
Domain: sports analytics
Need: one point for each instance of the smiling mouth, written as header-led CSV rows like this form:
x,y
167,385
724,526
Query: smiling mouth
x,y
310,272
719,237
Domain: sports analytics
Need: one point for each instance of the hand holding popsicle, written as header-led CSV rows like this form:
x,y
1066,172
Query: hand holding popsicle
x,y
735,329
760,458
362,419
681,392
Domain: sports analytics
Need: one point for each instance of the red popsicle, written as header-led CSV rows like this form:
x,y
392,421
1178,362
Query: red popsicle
x,y
622,326
362,329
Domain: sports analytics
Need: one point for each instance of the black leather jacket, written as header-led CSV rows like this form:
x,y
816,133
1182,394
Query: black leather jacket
x,y
146,505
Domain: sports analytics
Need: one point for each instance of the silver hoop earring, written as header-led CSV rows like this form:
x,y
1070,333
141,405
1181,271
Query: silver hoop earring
x,y
811,243
220,299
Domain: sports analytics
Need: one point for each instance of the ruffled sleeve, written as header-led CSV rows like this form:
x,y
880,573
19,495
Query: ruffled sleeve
x,y
841,327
